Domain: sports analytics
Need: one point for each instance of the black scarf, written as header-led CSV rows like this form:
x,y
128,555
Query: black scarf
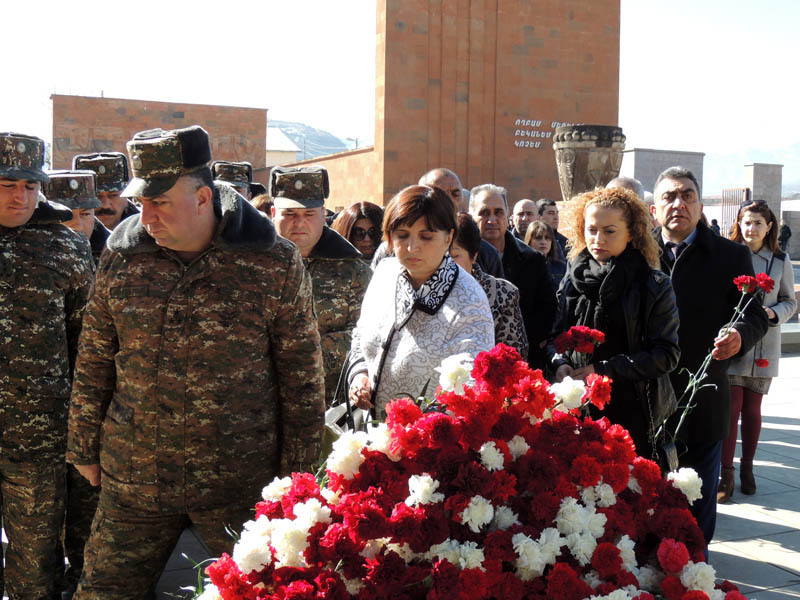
x,y
601,286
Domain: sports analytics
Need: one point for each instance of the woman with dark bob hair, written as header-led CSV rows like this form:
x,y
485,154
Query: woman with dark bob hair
x,y
613,284
419,308
503,295
750,375
360,224
541,237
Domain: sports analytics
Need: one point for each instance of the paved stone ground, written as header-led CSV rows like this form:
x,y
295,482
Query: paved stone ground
x,y
757,542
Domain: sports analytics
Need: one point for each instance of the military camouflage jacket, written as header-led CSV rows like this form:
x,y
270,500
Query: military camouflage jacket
x,y
45,275
340,277
198,383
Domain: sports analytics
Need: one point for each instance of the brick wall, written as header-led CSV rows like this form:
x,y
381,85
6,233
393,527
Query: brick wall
x,y
85,124
353,176
460,77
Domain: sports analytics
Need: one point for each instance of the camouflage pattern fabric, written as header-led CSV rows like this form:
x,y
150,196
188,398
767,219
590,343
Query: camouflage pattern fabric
x,y
236,173
159,158
45,276
81,504
73,189
126,532
21,157
305,187
32,503
111,169
339,278
198,376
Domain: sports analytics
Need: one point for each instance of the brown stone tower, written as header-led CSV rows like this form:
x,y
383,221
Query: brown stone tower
x,y
479,85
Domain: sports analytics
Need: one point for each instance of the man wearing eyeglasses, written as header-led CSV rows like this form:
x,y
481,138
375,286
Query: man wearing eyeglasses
x,y
339,277
702,266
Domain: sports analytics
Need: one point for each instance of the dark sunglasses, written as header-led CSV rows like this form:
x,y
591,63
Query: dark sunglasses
x,y
359,233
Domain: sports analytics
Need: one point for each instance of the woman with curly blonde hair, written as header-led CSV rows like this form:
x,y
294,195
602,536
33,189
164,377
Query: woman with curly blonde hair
x,y
613,284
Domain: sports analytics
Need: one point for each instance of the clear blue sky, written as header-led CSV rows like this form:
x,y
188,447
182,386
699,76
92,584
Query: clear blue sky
x,y
707,75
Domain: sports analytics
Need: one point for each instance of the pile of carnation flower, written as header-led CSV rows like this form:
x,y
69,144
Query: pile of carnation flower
x,y
503,491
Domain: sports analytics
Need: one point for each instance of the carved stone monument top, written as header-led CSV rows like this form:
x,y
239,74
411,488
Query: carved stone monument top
x,y
587,156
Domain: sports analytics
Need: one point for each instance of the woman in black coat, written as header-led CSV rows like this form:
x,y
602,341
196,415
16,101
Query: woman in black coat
x,y
613,284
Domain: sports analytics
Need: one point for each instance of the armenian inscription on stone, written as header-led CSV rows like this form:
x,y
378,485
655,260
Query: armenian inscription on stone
x,y
534,133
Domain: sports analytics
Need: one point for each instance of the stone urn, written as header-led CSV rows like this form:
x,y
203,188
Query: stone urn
x,y
587,156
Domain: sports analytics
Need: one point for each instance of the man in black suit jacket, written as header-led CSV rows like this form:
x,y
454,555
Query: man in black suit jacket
x,y
522,265
702,266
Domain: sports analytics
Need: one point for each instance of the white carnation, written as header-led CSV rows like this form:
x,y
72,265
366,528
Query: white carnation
x,y
582,546
518,446
403,550
290,540
345,459
353,586
330,496
479,512
627,553
373,547
454,372
605,495
530,562
447,550
633,484
491,457
311,512
593,579
275,490
589,496
504,518
210,592
569,518
422,490
379,440
470,556
569,392
698,576
252,552
649,578
688,482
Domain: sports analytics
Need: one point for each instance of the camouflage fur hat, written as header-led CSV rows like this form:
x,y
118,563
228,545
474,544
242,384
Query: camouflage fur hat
x,y
159,158
239,174
22,157
111,169
256,189
73,189
298,187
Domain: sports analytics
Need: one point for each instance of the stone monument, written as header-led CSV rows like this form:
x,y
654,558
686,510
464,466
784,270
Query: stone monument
x,y
587,156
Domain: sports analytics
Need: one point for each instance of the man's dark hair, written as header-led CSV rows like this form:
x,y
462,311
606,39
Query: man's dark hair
x,y
678,173
468,236
543,203
202,177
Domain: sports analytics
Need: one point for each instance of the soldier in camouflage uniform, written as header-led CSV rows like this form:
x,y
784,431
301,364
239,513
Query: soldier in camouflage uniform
x,y
45,275
237,174
76,191
339,276
111,169
199,375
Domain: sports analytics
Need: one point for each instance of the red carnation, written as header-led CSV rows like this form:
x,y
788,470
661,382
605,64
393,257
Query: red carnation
x,y
585,471
563,583
607,560
579,338
402,412
672,555
747,284
299,590
765,282
672,588
762,363
694,595
598,390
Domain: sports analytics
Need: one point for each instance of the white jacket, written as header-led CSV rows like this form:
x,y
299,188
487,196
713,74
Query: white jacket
x,y
449,314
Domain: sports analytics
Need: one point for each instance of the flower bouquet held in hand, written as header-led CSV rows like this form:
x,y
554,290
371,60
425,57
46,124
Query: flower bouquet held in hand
x,y
499,491
752,289
580,341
